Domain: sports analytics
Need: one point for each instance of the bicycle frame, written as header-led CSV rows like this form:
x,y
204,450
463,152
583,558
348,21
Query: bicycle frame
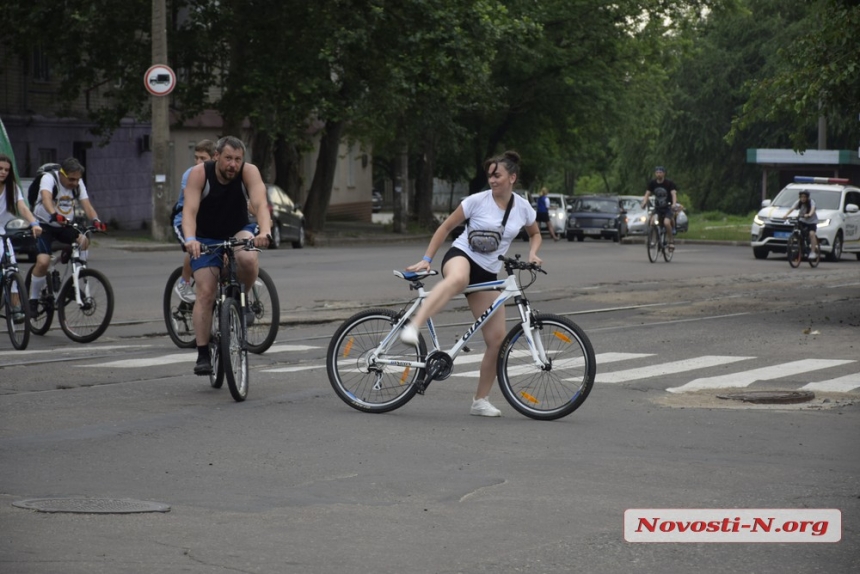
x,y
510,289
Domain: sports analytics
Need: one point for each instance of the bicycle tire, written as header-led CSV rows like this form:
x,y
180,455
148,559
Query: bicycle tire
x,y
87,322
547,394
178,314
372,390
19,333
264,303
793,250
667,253
216,377
234,350
814,256
41,322
653,244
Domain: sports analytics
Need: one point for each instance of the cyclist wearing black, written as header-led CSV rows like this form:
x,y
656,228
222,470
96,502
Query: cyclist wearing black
x,y
217,199
806,216
665,198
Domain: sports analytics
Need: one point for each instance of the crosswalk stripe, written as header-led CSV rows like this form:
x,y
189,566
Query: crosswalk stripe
x,y
187,357
838,385
667,368
746,378
601,359
293,369
89,349
290,348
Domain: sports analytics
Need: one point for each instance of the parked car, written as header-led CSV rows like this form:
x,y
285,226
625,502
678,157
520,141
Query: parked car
x,y
377,201
558,208
597,216
838,207
637,216
288,221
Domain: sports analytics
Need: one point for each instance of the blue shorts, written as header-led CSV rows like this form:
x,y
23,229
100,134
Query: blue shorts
x,y
51,233
216,259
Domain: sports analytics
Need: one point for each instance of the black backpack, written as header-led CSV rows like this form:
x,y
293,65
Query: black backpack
x,y
33,191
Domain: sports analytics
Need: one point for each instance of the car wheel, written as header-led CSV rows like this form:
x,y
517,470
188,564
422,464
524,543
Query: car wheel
x,y
760,252
276,237
836,251
301,241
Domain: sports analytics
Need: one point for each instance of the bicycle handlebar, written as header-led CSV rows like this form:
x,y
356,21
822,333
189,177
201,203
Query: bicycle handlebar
x,y
247,244
514,263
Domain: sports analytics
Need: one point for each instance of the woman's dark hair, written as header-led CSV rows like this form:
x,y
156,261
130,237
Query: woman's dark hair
x,y
509,159
11,187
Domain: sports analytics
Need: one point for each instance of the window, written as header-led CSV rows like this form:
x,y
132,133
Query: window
x,y
47,156
41,67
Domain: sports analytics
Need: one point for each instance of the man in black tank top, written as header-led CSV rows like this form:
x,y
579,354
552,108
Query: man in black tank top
x,y
218,196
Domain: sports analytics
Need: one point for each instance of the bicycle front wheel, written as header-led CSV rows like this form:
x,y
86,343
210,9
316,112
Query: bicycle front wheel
x,y
86,322
653,244
216,377
667,253
793,250
40,321
234,351
556,389
357,379
814,256
266,308
178,314
17,323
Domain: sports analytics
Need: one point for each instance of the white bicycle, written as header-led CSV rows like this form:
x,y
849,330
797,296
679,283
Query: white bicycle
x,y
546,364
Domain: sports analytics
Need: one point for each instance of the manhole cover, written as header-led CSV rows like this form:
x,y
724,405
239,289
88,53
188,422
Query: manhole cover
x,y
770,397
91,505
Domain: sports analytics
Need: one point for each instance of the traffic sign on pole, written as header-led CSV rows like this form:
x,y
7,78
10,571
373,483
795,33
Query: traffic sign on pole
x,y
159,80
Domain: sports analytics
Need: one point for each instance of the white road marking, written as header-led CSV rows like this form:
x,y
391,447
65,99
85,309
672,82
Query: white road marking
x,y
667,368
602,359
746,378
838,385
289,348
293,369
92,350
187,357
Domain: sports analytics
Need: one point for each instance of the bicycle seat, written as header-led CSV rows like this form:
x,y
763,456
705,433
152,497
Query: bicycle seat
x,y
415,275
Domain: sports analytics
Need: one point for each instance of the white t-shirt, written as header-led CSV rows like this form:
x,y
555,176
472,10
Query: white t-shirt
x,y
65,202
5,215
483,213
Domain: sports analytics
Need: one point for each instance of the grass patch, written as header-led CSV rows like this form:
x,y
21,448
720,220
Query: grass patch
x,y
717,226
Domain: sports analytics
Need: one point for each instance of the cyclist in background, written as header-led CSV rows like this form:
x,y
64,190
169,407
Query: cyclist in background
x,y
12,205
665,199
55,214
806,216
203,152
217,198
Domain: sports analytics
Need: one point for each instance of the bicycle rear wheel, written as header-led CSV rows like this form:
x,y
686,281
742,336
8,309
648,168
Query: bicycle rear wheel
x,y
653,243
41,321
557,389
263,302
793,250
814,256
86,322
178,314
362,384
216,377
19,329
234,351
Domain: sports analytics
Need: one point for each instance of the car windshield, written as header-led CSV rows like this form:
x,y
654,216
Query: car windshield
x,y
631,204
823,198
597,205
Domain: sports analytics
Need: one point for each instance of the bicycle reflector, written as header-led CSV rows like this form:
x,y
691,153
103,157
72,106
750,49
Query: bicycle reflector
x,y
808,179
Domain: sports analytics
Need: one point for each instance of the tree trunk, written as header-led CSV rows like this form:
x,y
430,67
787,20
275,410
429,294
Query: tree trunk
x,y
400,175
424,183
261,150
319,194
287,174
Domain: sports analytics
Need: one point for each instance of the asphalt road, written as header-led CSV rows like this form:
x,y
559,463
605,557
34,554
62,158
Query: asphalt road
x,y
293,480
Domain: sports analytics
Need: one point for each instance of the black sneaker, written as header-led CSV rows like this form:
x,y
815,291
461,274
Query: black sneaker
x,y
34,307
18,314
203,366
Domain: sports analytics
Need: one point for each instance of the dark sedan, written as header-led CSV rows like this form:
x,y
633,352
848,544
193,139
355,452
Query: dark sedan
x,y
596,216
288,221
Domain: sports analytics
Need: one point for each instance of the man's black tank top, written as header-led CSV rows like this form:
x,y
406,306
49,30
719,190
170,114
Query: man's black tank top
x,y
224,209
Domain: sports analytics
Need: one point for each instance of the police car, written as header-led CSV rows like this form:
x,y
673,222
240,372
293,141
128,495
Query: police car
x,y
838,207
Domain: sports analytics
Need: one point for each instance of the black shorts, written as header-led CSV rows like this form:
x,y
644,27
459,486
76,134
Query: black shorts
x,y
807,227
664,213
543,216
52,233
477,274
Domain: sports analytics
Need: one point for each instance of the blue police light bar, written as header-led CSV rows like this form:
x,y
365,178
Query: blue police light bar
x,y
808,179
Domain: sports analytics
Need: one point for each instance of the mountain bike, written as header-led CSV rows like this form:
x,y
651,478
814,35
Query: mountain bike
x,y
656,242
798,247
82,297
546,364
14,305
262,301
228,343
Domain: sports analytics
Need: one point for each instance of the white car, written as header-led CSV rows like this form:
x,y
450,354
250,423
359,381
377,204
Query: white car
x,y
557,213
837,205
637,217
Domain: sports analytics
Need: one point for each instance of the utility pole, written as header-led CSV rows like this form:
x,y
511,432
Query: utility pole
x,y
162,196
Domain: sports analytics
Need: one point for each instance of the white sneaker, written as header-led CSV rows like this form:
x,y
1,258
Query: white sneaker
x,y
409,334
185,291
483,408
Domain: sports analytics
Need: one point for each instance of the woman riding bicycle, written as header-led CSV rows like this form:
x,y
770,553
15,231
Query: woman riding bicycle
x,y
806,216
495,218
